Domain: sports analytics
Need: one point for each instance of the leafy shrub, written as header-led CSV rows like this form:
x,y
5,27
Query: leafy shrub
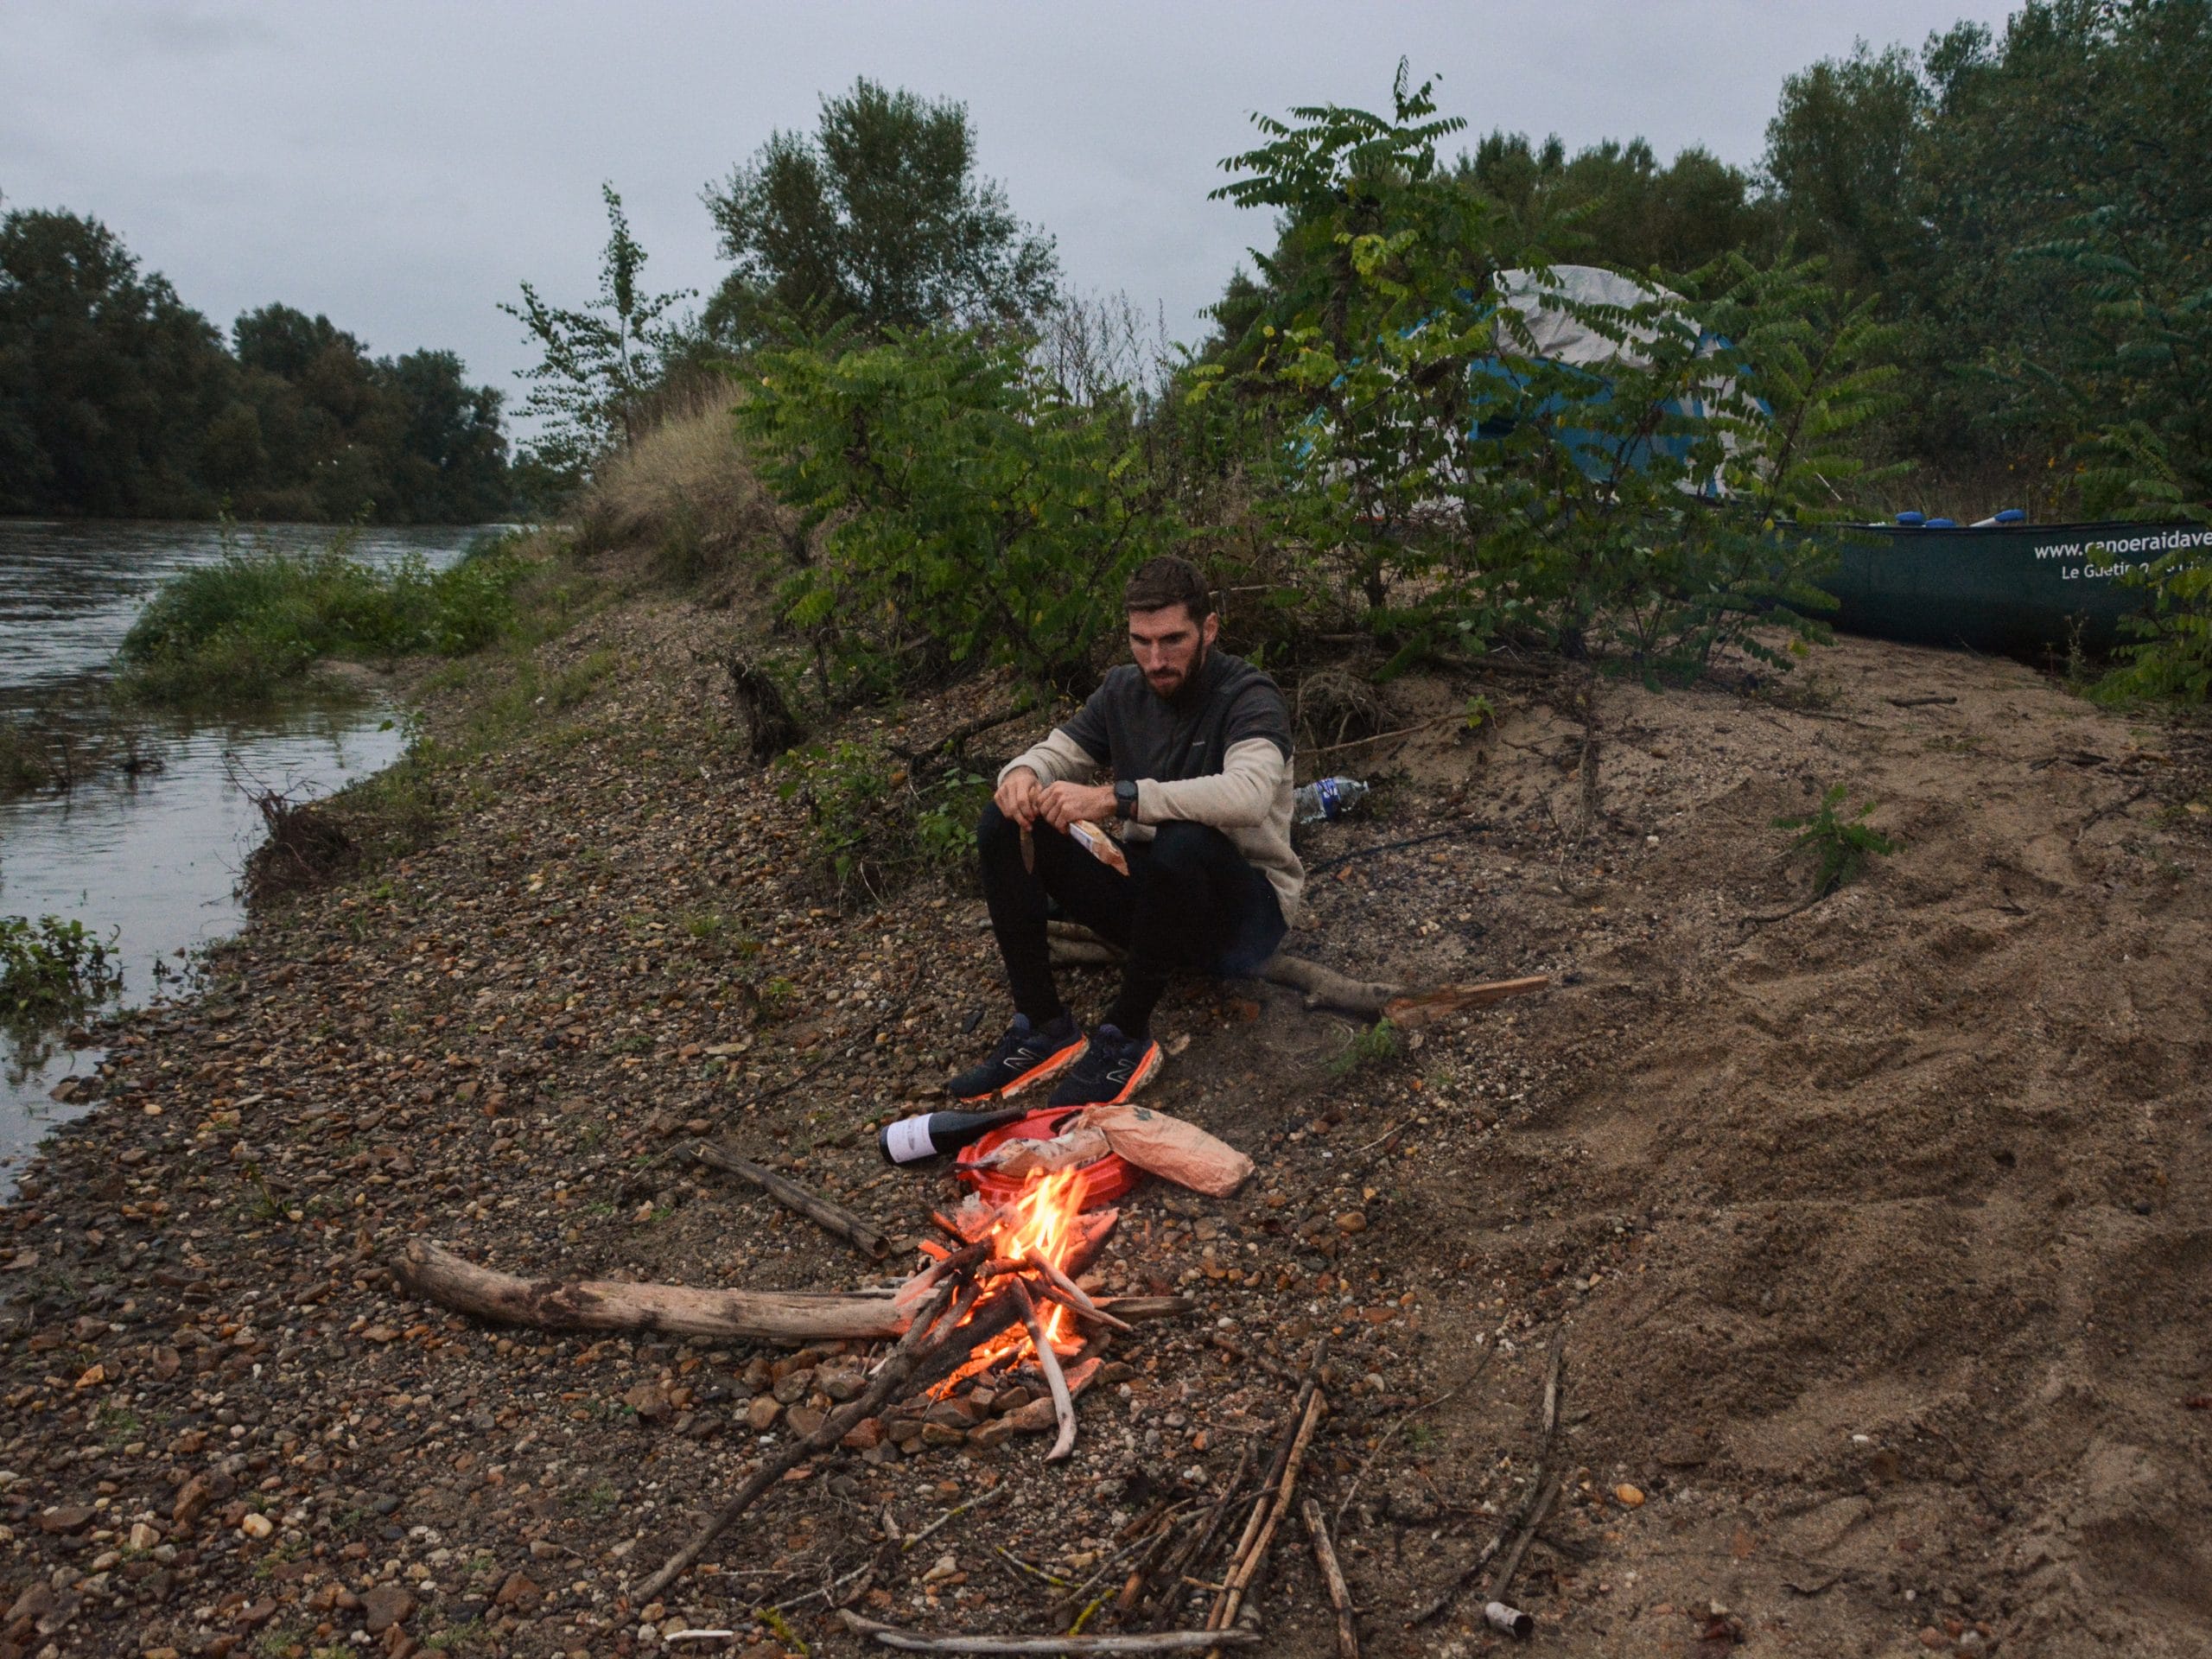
x,y
257,619
1844,845
871,823
974,513
2172,655
1458,486
51,970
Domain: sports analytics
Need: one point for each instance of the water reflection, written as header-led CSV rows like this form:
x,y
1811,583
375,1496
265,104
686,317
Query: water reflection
x,y
154,856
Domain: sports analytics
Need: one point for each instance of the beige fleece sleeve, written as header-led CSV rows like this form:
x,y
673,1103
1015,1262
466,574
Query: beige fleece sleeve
x,y
1059,759
1238,795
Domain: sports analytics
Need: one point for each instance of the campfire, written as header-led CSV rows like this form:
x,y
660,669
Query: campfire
x,y
1015,1255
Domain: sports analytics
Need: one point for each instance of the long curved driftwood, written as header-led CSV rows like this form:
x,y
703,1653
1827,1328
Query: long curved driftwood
x,y
1325,987
433,1275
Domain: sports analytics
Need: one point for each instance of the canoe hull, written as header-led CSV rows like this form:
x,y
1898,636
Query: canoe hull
x,y
2022,590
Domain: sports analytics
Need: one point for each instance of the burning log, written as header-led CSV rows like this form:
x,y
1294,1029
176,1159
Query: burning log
x,y
1157,1642
1082,1306
1049,1362
834,1217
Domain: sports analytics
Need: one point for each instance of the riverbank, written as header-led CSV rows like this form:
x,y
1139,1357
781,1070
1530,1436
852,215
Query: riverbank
x,y
1875,1233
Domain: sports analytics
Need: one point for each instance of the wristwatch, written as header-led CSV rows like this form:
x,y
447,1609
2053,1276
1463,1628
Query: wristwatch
x,y
1125,799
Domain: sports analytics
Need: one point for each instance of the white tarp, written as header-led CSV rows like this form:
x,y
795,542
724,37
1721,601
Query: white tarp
x,y
1538,329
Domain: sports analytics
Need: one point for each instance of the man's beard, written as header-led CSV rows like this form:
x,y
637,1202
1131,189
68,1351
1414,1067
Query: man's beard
x,y
1183,682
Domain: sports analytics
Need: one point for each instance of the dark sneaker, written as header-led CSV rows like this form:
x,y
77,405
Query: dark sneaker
x,y
1112,1069
1024,1055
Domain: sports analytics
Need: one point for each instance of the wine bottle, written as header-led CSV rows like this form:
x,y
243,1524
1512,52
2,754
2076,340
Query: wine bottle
x,y
934,1134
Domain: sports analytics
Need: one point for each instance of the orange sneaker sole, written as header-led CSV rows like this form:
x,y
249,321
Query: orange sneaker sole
x,y
1147,1068
1044,1072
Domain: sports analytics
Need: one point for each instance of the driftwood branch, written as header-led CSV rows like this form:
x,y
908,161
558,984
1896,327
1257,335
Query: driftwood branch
x,y
920,1339
1324,1553
432,1274
1074,945
1409,1011
834,1217
1049,1362
1523,1526
1243,1572
1157,1642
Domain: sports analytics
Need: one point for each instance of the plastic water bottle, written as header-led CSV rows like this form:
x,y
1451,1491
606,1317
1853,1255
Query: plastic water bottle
x,y
1330,798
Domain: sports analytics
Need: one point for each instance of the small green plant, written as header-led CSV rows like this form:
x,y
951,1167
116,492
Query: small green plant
x,y
1373,1046
845,788
2170,656
1844,845
53,970
945,827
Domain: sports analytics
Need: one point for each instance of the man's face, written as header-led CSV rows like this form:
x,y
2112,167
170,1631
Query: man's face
x,y
1169,646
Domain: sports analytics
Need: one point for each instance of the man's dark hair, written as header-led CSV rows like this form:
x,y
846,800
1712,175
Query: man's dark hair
x,y
1167,581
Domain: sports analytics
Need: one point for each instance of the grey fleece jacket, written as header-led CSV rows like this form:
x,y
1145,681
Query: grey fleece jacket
x,y
1219,755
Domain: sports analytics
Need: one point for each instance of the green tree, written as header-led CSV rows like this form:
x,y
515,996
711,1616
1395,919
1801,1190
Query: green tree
x,y
1616,204
108,382
976,514
1841,150
1463,485
600,363
877,218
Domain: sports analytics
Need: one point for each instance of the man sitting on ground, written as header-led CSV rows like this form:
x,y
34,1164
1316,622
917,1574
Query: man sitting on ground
x,y
1200,744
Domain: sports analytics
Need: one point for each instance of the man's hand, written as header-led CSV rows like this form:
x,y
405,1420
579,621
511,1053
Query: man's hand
x,y
1017,797
1061,804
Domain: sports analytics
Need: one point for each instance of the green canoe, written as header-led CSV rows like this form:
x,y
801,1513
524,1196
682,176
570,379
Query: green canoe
x,y
2022,590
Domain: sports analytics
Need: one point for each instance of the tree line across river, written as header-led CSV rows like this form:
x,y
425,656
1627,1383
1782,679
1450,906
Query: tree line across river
x,y
2027,210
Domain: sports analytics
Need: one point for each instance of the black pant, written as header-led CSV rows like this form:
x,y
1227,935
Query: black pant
x,y
1190,901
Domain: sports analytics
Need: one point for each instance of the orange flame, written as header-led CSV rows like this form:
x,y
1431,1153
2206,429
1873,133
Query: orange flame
x,y
1045,1218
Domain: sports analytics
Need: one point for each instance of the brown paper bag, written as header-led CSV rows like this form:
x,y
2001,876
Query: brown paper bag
x,y
1170,1148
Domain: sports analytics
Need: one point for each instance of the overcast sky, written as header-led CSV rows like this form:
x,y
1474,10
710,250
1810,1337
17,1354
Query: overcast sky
x,y
402,166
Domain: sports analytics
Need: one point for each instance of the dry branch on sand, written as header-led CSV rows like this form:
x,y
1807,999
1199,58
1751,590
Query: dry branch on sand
x,y
1074,945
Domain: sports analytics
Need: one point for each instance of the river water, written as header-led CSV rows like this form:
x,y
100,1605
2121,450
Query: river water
x,y
151,857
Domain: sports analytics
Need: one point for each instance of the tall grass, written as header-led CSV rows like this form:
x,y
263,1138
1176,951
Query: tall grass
x,y
686,490
259,619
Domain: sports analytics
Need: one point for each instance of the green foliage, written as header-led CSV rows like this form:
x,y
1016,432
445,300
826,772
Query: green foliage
x,y
258,619
872,823
877,220
1843,844
975,514
117,398
1618,205
2033,209
599,363
2171,655
1460,487
52,971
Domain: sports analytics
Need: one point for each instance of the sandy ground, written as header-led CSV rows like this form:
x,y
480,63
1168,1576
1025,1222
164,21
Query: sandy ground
x,y
1873,1236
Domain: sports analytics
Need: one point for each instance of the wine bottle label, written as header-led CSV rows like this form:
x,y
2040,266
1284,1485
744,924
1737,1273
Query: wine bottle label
x,y
908,1140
